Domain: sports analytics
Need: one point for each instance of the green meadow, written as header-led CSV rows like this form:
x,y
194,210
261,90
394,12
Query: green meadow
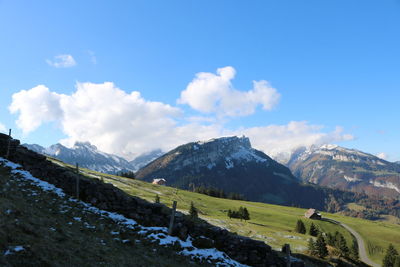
x,y
270,223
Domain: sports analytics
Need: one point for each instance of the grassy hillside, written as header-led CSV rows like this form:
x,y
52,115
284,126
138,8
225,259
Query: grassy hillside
x,y
271,223
41,228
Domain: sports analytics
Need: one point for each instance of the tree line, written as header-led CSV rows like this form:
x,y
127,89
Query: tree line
x,y
216,192
242,213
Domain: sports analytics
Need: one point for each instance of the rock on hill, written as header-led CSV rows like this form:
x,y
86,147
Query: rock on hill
x,y
349,169
86,155
231,164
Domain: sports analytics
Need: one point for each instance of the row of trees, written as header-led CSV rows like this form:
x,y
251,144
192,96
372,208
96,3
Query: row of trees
x,y
242,213
301,228
319,246
127,174
215,192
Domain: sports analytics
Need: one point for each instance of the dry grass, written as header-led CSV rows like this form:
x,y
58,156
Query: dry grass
x,y
51,234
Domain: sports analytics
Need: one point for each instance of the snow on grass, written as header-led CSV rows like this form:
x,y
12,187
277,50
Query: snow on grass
x,y
11,250
156,234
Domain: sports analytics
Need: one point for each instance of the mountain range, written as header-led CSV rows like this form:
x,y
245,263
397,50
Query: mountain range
x,y
88,156
231,164
347,169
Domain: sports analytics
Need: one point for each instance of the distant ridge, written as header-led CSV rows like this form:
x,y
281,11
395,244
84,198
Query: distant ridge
x,y
348,169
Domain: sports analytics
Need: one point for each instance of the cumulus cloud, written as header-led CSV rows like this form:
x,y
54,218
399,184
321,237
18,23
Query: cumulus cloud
x,y
35,106
214,93
382,155
2,128
62,61
126,124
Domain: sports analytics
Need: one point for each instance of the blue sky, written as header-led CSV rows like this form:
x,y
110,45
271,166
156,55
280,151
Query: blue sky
x,y
335,66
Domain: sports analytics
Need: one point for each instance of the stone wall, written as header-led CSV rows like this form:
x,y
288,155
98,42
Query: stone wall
x,y
106,196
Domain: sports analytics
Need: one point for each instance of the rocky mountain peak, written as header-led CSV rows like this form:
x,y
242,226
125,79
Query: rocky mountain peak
x,y
84,145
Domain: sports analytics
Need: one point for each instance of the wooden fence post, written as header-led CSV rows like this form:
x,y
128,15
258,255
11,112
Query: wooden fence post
x,y
287,251
77,181
171,222
9,144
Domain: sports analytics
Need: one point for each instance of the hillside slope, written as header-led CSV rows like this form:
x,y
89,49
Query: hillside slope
x,y
272,224
41,226
347,169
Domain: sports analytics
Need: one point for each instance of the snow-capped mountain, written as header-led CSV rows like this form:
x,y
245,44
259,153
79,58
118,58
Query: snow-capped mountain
x,y
343,168
86,155
143,159
231,164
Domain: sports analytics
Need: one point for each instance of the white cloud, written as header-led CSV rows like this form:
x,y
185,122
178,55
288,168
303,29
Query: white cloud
x,y
128,125
62,61
2,128
382,155
279,141
35,106
214,93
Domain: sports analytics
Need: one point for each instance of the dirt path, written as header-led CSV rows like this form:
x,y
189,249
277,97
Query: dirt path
x,y
361,245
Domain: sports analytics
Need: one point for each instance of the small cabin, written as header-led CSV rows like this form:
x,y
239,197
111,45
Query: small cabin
x,y
159,181
313,214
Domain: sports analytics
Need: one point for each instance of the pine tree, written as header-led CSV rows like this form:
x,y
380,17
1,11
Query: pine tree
x,y
354,250
300,227
230,214
390,257
193,211
344,250
397,262
330,239
241,211
313,230
320,247
157,199
311,247
246,215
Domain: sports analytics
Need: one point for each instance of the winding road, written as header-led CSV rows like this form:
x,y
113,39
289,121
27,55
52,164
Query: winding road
x,y
361,245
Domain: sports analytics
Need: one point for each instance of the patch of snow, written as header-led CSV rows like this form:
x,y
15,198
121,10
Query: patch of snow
x,y
211,165
229,164
154,233
11,250
328,146
351,179
78,219
385,185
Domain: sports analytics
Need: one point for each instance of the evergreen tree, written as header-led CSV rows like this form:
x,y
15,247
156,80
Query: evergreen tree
x,y
300,227
241,213
157,199
246,215
193,211
344,250
311,247
354,250
397,262
390,257
313,230
230,213
320,247
330,239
